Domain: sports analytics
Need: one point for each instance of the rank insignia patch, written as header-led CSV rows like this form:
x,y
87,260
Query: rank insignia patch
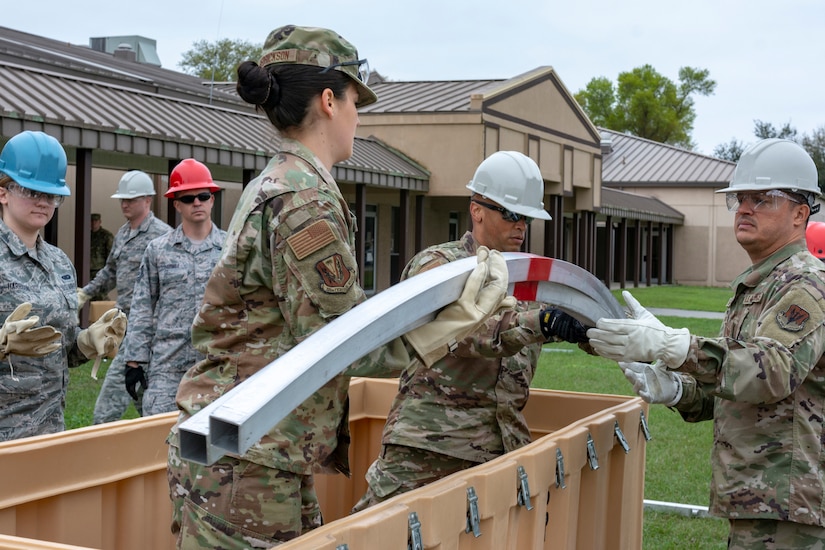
x,y
793,318
336,277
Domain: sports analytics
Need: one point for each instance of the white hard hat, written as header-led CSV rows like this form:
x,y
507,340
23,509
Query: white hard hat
x,y
513,180
134,184
775,164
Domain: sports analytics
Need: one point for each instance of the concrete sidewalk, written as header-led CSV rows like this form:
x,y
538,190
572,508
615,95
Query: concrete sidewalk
x,y
686,313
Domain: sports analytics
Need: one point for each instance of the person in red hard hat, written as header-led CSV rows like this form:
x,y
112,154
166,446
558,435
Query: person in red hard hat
x,y
815,238
168,291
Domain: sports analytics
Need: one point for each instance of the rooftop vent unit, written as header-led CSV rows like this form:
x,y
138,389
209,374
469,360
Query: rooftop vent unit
x,y
143,50
606,145
125,51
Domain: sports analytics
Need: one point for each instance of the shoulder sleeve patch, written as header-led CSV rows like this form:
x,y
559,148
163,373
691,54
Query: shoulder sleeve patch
x,y
311,239
796,315
793,318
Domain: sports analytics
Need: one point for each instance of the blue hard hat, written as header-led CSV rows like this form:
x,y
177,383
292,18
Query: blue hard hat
x,y
36,161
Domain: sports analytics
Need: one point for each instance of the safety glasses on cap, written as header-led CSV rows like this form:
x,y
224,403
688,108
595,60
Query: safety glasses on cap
x,y
363,68
189,199
507,215
759,200
26,193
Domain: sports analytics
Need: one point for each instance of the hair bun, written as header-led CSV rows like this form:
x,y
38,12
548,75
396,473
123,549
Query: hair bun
x,y
256,85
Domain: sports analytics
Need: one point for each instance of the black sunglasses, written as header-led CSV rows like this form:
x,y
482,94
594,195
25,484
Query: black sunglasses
x,y
507,215
189,199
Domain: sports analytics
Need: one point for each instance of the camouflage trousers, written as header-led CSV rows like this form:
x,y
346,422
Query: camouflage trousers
x,y
766,534
400,469
113,399
235,504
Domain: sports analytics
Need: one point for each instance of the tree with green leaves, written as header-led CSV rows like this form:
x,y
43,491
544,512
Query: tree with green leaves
x,y
814,144
218,61
647,104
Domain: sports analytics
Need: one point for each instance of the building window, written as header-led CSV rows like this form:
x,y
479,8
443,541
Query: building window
x,y
370,243
453,227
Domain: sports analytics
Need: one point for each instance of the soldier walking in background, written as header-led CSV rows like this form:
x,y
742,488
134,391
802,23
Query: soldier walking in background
x,y
100,244
135,191
169,290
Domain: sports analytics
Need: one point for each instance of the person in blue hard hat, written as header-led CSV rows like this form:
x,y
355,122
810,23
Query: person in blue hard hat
x,y
39,337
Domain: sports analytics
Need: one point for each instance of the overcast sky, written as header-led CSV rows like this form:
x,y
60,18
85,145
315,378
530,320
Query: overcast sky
x,y
766,56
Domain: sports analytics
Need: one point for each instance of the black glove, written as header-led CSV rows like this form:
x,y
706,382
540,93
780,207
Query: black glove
x,y
135,375
555,322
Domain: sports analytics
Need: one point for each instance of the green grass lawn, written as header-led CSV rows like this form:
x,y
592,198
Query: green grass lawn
x,y
82,394
677,458
677,465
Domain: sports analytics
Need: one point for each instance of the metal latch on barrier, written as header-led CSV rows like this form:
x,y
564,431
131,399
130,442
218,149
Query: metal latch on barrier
x,y
560,470
592,457
473,518
645,430
523,489
414,541
620,436
342,547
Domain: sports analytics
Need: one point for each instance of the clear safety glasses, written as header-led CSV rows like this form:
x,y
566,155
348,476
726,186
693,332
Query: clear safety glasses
x,y
363,68
26,193
759,200
507,215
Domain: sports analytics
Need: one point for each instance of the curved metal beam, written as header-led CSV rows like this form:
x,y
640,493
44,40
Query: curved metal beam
x,y
238,419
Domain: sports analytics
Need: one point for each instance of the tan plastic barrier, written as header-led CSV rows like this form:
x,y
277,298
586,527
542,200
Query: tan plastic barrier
x,y
104,487
97,309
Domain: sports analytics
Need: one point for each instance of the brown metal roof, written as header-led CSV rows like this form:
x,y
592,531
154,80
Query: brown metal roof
x,y
93,100
426,96
622,204
640,162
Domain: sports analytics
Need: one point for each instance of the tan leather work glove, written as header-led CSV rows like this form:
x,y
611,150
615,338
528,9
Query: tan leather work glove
x,y
17,335
103,337
82,298
483,294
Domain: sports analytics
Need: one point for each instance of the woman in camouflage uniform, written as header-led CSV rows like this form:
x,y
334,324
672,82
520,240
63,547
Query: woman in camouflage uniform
x,y
38,278
287,268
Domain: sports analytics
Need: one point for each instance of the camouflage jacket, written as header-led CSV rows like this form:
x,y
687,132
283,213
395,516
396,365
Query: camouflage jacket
x,y
287,268
763,383
123,264
33,389
168,292
469,404
100,244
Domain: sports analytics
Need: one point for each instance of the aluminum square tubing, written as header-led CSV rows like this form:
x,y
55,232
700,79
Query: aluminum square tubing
x,y
238,419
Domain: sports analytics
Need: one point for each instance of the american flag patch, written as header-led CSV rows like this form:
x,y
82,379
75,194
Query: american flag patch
x,y
313,238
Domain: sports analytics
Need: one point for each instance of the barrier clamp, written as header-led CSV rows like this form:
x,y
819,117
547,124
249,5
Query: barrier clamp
x,y
560,470
523,489
620,436
592,457
342,547
415,542
645,429
473,518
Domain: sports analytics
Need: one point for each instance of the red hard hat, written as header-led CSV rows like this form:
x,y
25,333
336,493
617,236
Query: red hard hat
x,y
815,237
190,174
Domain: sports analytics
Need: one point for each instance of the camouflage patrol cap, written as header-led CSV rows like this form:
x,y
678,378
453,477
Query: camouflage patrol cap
x,y
319,47
95,217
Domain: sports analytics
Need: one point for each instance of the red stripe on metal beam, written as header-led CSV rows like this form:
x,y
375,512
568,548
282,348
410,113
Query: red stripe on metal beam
x,y
526,290
539,269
